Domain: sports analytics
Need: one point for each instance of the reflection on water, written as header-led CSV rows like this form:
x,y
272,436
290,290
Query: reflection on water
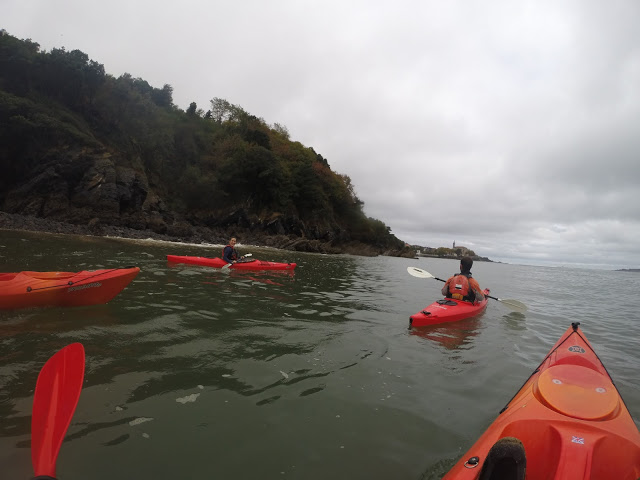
x,y
451,335
192,370
515,320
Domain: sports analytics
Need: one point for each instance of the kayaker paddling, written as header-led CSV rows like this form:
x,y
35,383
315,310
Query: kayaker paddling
x,y
514,304
217,262
462,286
229,253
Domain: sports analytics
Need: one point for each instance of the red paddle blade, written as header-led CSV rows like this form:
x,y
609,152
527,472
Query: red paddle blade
x,y
57,393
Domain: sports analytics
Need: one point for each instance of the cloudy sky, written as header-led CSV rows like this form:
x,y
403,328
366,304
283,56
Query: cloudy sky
x,y
511,127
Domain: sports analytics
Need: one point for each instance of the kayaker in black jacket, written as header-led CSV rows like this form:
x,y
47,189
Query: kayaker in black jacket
x,y
461,286
229,253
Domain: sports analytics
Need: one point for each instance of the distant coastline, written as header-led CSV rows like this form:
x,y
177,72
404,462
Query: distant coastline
x,y
475,258
455,252
628,270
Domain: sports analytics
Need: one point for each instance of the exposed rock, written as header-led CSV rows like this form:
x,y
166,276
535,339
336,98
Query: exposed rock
x,y
157,224
180,229
91,191
133,189
95,226
98,190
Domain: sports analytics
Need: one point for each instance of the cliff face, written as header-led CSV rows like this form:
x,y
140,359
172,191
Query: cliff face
x,y
85,191
83,185
78,185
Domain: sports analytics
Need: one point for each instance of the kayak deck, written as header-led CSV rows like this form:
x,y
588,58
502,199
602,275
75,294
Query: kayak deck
x,y
568,422
63,289
447,310
240,265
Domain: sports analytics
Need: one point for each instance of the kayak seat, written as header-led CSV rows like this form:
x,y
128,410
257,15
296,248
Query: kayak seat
x,y
447,302
506,460
540,440
563,446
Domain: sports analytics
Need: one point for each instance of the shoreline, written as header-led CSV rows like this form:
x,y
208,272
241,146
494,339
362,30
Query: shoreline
x,y
201,236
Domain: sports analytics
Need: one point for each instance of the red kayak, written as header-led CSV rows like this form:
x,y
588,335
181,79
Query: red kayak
x,y
240,265
63,289
568,422
447,310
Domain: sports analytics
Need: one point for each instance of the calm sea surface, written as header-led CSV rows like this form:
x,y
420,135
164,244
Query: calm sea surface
x,y
195,373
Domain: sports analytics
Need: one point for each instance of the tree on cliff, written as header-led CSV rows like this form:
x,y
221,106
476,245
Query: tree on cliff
x,y
196,166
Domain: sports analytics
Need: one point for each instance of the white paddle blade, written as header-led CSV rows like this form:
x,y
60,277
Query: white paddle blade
x,y
248,255
513,303
418,272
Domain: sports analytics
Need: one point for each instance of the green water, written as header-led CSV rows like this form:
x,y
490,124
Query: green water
x,y
193,372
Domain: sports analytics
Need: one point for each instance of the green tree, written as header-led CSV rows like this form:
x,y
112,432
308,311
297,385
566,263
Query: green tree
x,y
61,105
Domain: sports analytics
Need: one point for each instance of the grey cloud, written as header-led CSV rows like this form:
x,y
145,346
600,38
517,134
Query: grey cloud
x,y
528,112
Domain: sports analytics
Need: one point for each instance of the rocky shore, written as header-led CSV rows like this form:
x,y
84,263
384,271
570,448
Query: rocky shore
x,y
194,235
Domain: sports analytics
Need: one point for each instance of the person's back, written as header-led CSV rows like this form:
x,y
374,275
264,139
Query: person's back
x,y
462,286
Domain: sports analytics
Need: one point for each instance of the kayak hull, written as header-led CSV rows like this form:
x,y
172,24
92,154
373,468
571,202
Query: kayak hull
x,y
63,289
219,263
447,310
570,420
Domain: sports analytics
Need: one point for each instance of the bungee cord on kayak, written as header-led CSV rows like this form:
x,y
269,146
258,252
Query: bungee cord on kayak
x,y
71,282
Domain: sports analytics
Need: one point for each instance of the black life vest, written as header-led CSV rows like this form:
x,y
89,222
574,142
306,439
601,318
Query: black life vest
x,y
234,253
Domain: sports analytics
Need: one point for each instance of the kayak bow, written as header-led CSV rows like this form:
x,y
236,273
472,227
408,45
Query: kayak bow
x,y
568,422
63,289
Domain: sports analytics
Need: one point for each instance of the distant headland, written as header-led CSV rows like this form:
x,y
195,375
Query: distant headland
x,y
445,252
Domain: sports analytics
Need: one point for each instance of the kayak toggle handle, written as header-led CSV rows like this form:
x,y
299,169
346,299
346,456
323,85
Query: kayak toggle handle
x,y
574,325
473,462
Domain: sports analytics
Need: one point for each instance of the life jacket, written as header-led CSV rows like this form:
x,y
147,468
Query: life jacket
x,y
234,253
460,289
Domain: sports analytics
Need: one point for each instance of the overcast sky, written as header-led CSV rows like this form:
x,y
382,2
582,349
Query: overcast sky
x,y
511,127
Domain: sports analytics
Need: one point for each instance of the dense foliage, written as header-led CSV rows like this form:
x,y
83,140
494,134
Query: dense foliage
x,y
201,163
